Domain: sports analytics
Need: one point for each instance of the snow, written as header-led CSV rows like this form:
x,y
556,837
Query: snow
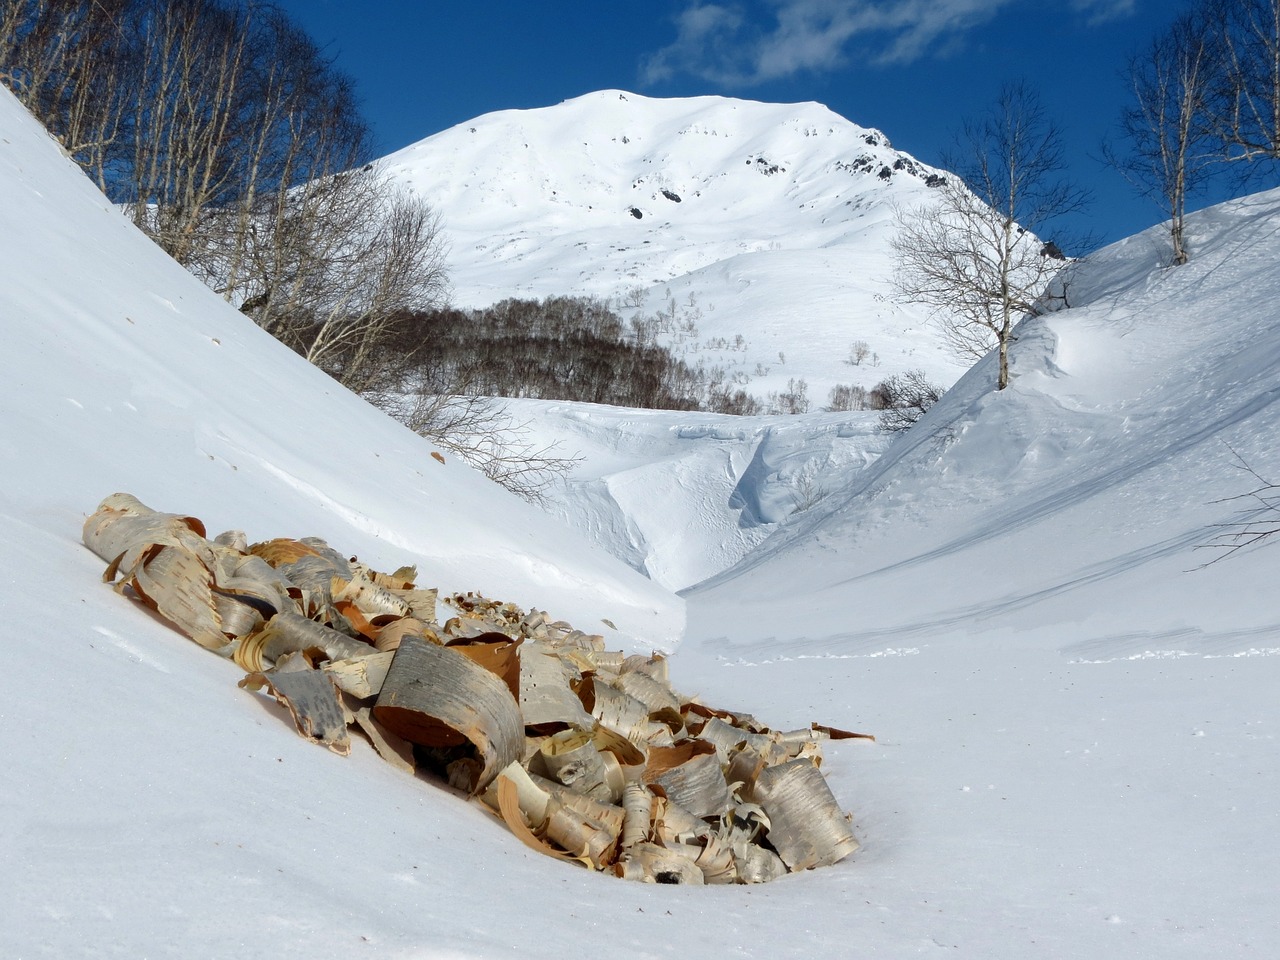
x,y
1076,721
778,233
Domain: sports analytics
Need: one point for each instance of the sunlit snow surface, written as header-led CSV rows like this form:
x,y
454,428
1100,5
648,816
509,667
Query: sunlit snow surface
x,y
1076,750
766,225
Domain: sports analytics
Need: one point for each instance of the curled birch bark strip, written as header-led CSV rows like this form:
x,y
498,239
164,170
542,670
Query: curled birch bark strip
x,y
236,618
399,580
690,774
652,693
619,754
743,721
756,864
388,636
835,733
727,737
251,580
587,839
608,661
531,798
282,551
361,676
123,523
620,712
234,539
672,823
312,701
514,798
655,667
291,633
572,758
806,825
650,863
546,699
434,696
637,815
497,653
422,603
372,600
177,584
713,858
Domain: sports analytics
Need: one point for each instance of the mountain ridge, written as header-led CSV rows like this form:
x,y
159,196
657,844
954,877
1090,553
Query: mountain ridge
x,y
654,202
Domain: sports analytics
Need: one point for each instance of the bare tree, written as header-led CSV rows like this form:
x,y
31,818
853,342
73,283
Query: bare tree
x,y
971,255
343,272
1245,102
233,142
903,399
482,432
48,50
1257,522
1171,136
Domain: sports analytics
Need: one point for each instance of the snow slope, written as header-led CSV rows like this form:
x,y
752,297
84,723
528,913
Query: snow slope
x,y
1077,729
1080,717
765,226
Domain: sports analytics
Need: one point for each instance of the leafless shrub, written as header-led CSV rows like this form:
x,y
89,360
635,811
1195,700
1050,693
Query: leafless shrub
x,y
903,399
791,401
1257,521
859,350
482,432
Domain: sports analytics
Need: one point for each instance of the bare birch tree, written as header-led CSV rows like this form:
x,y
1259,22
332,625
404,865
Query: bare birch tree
x,y
229,138
1245,103
971,254
1171,135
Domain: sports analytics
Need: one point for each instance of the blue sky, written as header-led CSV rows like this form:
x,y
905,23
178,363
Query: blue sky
x,y
912,68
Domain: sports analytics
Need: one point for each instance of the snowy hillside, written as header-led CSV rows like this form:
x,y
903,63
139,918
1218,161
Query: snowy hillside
x,y
1077,729
765,225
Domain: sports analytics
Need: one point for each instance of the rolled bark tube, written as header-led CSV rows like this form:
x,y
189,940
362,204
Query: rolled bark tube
x,y
434,696
572,758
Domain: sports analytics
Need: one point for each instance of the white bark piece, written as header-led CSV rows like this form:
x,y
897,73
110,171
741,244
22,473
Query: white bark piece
x,y
690,775
361,676
545,695
436,697
806,825
312,701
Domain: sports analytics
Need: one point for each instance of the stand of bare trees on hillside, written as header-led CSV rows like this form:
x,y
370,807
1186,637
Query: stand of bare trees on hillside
x,y
230,139
1205,95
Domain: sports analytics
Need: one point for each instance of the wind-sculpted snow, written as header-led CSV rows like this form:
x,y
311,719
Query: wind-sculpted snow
x,y
1125,424
683,496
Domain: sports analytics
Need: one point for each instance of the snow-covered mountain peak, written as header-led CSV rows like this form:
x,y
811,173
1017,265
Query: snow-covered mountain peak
x,y
773,218
704,163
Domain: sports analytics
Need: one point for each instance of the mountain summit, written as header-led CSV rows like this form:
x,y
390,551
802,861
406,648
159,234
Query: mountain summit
x,y
773,217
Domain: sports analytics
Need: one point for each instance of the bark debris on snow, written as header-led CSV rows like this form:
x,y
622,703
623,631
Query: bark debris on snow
x,y
587,754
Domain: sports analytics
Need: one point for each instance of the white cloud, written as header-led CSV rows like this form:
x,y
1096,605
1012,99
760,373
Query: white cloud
x,y
1101,11
743,42
759,40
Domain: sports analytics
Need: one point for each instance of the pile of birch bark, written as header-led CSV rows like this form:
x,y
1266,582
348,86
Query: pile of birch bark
x,y
587,754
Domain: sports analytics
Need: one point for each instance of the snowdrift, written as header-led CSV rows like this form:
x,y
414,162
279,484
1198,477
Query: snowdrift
x,y
1097,473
